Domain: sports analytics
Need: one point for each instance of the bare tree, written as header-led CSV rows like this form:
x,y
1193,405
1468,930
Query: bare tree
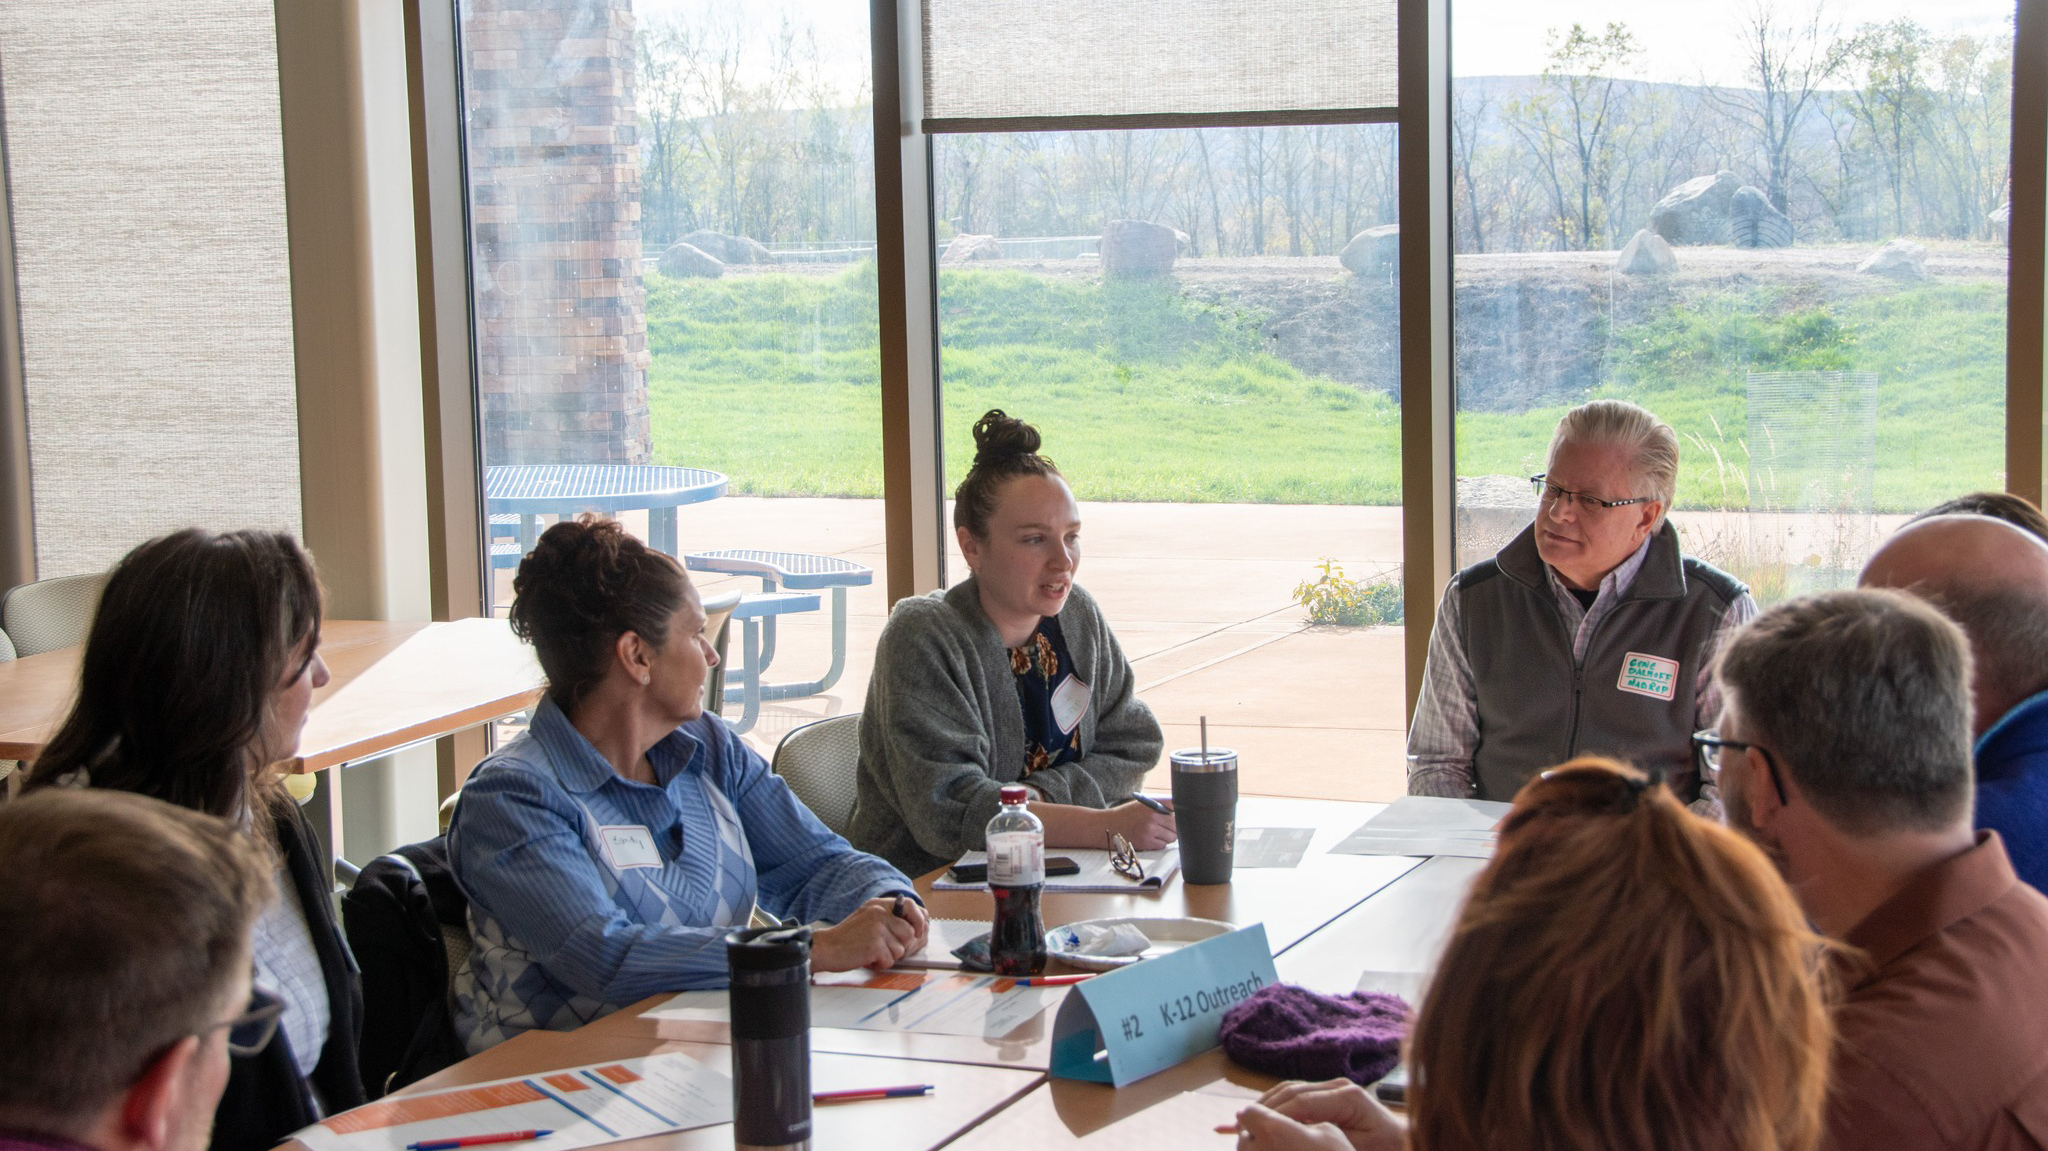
x,y
1787,56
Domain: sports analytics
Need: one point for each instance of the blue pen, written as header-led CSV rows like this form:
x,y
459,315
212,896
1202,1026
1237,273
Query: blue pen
x,y
1154,804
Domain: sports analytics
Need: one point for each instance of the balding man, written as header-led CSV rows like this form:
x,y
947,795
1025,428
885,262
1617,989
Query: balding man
x,y
1590,633
1992,578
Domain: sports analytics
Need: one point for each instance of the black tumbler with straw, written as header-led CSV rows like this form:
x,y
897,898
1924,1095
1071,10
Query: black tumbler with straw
x,y
1205,809
771,1037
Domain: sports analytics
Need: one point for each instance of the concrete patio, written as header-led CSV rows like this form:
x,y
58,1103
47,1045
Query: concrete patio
x,y
1201,597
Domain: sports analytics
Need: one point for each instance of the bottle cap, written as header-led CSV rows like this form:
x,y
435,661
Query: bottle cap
x,y
1015,793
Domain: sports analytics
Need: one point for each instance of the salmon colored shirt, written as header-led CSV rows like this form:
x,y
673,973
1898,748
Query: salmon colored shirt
x,y
1945,1043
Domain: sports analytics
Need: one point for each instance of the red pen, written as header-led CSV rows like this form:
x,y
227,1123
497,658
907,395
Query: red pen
x,y
1052,980
858,1093
475,1140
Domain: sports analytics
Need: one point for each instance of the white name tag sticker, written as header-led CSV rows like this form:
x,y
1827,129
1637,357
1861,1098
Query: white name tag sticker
x,y
1069,704
1650,675
629,847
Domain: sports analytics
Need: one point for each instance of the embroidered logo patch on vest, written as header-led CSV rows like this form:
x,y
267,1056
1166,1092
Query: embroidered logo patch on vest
x,y
1649,675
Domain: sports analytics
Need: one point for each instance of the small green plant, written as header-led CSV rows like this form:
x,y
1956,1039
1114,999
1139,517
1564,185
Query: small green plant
x,y
1335,598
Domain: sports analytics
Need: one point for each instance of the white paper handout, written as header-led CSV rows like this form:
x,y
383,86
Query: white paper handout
x,y
1428,825
989,1006
582,1106
1096,874
941,937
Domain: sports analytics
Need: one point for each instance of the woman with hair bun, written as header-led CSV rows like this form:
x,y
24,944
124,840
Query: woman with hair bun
x,y
607,851
1010,676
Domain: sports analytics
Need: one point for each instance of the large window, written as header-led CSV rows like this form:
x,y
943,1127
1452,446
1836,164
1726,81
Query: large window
x,y
1169,307
672,216
1779,225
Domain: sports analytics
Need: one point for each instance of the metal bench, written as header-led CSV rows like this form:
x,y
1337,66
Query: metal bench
x,y
781,573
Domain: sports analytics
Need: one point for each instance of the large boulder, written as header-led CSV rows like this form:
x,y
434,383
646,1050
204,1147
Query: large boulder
x,y
686,259
1491,511
1900,259
730,249
1373,251
1754,223
1646,255
968,246
1696,212
1138,248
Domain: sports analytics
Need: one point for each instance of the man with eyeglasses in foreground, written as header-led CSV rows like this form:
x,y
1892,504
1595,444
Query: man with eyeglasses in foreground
x,y
1844,752
124,970
1588,634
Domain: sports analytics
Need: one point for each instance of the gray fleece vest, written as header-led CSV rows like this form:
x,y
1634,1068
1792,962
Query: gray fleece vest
x,y
1630,698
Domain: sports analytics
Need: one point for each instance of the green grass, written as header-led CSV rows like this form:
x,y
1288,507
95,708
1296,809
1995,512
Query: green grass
x,y
1146,395
1939,355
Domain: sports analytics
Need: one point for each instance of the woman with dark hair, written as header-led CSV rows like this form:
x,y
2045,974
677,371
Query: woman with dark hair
x,y
196,679
608,850
1010,675
1623,974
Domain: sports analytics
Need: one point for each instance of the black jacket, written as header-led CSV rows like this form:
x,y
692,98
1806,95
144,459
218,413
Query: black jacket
x,y
265,1100
396,915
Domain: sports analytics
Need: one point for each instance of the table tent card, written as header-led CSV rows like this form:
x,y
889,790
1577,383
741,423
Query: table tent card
x,y
1138,1020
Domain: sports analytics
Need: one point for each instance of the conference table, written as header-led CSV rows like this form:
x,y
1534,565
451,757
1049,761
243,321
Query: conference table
x,y
1332,920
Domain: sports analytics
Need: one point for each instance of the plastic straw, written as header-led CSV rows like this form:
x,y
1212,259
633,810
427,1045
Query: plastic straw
x,y
1205,741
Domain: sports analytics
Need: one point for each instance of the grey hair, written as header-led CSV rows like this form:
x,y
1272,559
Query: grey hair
x,y
1648,439
1863,697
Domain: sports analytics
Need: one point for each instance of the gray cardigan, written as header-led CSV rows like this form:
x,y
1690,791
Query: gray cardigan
x,y
943,728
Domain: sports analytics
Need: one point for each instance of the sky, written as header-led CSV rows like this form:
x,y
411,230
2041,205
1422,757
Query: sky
x,y
1682,40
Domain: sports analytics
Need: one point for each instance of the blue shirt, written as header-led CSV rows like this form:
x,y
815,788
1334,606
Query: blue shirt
x,y
588,891
2012,786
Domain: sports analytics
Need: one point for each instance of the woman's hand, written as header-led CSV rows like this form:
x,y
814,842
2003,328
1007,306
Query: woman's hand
x,y
1148,830
874,936
1260,1129
1306,1115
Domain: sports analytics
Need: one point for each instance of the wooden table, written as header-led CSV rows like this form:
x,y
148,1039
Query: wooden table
x,y
1330,920
392,685
1292,903
1391,941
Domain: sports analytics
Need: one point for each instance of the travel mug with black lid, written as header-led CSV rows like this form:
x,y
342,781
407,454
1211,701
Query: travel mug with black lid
x,y
771,1037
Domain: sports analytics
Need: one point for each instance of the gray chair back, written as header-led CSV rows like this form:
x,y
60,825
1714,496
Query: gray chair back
x,y
51,613
6,647
818,760
717,622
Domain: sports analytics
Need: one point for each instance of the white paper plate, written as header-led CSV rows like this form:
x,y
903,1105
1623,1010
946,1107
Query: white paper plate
x,y
1166,935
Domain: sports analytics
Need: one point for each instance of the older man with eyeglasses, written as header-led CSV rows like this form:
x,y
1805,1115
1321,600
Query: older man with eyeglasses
x,y
1590,633
124,970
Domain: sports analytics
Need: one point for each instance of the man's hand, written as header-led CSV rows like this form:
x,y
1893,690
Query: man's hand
x,y
874,936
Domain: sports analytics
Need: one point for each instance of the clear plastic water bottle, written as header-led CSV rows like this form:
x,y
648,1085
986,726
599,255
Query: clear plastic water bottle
x,y
1016,876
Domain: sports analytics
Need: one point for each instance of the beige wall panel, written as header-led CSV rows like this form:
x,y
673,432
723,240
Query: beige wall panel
x,y
147,193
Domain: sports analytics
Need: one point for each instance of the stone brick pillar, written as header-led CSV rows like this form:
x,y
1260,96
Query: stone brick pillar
x,y
554,171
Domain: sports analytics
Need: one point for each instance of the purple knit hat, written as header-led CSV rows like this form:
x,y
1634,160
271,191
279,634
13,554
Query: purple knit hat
x,y
1298,1034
